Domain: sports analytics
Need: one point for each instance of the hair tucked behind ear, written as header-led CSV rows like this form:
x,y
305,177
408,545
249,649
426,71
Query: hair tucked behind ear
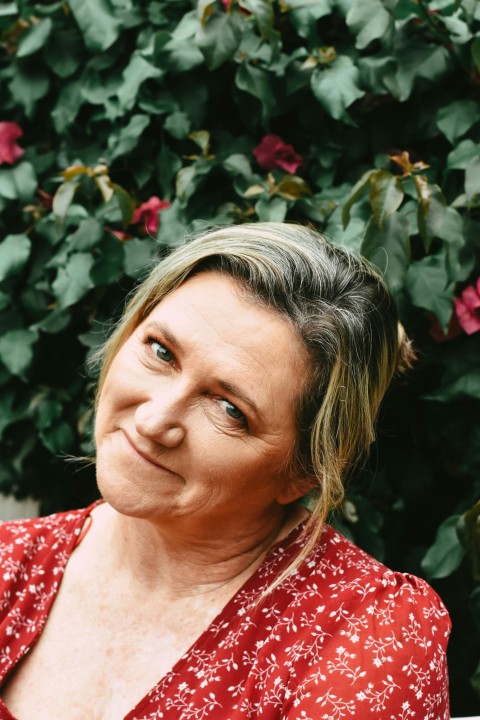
x,y
345,316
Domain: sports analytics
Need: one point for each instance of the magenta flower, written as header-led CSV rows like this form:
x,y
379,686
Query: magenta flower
x,y
273,152
467,308
9,150
147,213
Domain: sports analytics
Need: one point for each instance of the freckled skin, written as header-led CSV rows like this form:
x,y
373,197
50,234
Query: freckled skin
x,y
221,473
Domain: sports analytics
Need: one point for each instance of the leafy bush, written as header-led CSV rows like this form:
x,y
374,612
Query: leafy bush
x,y
127,124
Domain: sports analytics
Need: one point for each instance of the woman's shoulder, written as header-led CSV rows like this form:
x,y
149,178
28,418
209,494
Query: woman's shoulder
x,y
351,627
33,539
338,574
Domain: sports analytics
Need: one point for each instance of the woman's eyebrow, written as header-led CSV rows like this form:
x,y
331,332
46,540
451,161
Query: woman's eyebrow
x,y
165,333
232,389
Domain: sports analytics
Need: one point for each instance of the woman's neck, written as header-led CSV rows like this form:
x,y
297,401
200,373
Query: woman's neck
x,y
174,563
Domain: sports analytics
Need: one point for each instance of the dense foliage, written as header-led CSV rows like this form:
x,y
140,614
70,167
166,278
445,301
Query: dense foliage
x,y
127,123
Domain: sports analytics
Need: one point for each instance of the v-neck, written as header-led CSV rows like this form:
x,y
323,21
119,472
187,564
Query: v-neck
x,y
79,525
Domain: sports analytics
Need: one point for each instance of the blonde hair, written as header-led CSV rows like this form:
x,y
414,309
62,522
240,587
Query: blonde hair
x,y
342,311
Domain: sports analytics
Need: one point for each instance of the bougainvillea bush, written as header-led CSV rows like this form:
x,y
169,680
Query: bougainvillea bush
x,y
125,124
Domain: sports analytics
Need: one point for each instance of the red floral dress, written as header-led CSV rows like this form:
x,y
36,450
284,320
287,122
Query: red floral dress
x,y
342,638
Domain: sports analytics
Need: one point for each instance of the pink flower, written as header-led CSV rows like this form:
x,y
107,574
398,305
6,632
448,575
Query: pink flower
x,y
273,152
9,150
148,213
467,308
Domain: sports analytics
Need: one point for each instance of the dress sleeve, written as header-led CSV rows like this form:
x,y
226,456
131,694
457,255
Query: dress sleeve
x,y
376,652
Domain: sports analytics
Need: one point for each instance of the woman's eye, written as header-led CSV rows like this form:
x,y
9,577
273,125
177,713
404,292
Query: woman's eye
x,y
233,412
160,350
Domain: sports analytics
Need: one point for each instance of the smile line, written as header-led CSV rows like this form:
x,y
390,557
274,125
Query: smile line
x,y
145,456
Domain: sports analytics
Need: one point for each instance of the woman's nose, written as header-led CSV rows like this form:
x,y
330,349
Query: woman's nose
x,y
160,419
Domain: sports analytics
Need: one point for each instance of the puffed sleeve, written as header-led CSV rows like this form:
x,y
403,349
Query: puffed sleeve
x,y
376,651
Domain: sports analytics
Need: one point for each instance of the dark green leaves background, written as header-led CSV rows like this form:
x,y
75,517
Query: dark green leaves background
x,y
123,100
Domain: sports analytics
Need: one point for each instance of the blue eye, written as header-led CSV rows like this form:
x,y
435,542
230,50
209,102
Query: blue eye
x,y
233,412
160,350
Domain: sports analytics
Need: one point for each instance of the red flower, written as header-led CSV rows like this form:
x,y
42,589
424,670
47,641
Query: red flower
x,y
148,213
467,308
9,150
226,4
273,152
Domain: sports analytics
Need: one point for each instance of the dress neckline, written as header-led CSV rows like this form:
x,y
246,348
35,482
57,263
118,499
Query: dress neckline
x,y
83,521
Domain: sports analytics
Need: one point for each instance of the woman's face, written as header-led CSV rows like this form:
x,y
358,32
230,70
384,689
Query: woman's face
x,y
196,417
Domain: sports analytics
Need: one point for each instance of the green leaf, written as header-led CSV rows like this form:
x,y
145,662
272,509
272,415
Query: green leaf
x,y
178,125
220,38
14,253
184,180
58,438
359,187
238,164
18,182
472,180
54,322
264,16
271,210
457,28
137,71
389,248
176,51
16,351
455,119
467,386
125,202
96,19
46,411
305,13
106,268
8,415
259,83
63,53
335,86
73,281
34,38
369,20
30,83
436,219
63,198
128,137
446,553
417,59
427,284
86,236
139,255
461,155
69,103
386,195
173,227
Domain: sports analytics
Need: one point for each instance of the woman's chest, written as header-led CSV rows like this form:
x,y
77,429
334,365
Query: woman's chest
x,y
97,657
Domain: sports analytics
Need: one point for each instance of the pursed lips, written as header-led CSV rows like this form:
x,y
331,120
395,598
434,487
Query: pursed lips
x,y
145,455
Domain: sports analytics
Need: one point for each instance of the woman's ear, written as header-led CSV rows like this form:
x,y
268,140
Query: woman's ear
x,y
296,487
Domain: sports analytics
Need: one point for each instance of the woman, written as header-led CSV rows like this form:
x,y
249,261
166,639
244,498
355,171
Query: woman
x,y
246,372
